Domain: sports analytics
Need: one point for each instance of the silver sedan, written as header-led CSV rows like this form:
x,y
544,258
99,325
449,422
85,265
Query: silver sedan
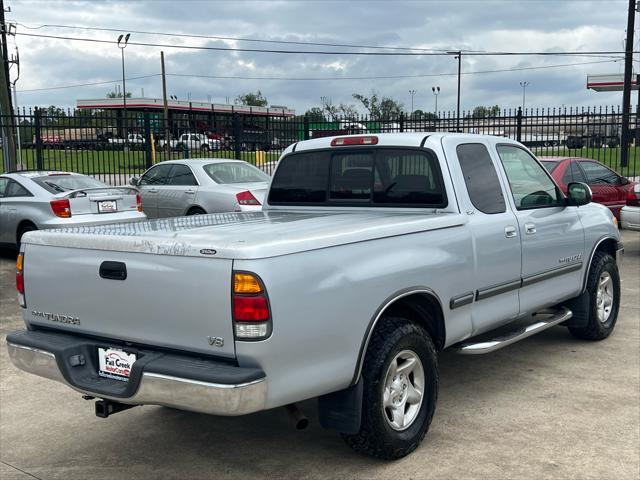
x,y
199,186
34,200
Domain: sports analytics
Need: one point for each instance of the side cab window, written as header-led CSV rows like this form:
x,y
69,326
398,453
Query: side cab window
x,y
481,178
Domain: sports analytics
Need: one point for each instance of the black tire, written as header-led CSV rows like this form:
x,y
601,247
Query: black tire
x,y
376,436
196,211
602,264
24,228
204,148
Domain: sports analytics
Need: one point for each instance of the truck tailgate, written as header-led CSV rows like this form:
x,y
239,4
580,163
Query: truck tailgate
x,y
167,301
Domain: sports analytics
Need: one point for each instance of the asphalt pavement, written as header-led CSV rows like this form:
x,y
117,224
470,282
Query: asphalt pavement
x,y
547,407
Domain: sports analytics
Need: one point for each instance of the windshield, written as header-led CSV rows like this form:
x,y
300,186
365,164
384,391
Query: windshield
x,y
550,166
65,183
235,172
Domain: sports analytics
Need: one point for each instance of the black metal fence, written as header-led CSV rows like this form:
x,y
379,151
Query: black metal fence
x,y
114,146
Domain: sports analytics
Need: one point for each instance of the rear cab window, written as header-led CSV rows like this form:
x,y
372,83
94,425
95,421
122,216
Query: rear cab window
x,y
380,177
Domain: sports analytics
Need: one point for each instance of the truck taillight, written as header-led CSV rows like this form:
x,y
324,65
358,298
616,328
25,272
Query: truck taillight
x,y
20,279
246,198
251,312
633,198
139,202
61,208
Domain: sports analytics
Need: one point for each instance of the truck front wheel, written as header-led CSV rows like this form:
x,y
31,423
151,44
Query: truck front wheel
x,y
603,288
400,389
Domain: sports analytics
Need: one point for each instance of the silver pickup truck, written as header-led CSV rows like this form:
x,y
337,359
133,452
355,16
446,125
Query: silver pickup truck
x,y
373,254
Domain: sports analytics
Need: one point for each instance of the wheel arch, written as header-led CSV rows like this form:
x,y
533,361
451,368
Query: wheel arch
x,y
606,244
194,207
420,304
21,225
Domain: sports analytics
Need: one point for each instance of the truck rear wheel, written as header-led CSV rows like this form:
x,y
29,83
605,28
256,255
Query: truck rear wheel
x,y
603,288
400,389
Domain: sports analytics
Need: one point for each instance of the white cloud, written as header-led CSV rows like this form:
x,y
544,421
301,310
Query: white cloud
x,y
488,25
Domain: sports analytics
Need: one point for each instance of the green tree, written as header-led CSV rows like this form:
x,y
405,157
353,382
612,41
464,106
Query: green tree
x,y
114,94
485,112
315,114
252,99
380,108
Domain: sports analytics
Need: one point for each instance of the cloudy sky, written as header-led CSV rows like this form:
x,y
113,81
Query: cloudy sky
x,y
507,25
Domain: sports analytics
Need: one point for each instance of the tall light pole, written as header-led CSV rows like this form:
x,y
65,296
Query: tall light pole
x,y
122,44
412,93
524,86
436,92
458,56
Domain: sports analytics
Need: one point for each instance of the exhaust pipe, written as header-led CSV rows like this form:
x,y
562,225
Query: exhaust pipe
x,y
104,408
298,418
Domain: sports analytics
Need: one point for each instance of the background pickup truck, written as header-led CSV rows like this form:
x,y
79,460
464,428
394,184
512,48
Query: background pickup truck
x,y
192,141
372,254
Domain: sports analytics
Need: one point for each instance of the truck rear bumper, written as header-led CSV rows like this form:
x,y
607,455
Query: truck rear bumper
x,y
157,378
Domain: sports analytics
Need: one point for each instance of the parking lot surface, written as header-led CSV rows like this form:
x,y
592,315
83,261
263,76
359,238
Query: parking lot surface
x,y
547,407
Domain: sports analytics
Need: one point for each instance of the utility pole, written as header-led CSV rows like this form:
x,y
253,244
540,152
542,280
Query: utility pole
x,y
167,145
626,91
6,107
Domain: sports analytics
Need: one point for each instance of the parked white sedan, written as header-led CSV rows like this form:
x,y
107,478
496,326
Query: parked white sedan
x,y
199,186
36,200
630,213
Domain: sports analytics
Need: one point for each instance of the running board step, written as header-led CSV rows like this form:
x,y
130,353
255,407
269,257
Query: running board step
x,y
488,346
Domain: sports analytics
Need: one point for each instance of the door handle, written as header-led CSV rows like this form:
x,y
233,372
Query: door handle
x,y
190,192
530,228
510,231
153,190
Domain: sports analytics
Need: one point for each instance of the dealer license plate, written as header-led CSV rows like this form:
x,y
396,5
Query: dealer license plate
x,y
107,206
115,363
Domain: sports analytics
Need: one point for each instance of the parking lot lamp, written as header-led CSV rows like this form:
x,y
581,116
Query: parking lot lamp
x,y
524,86
436,92
412,93
122,44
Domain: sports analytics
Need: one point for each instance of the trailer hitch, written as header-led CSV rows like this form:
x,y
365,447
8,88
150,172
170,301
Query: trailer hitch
x,y
104,408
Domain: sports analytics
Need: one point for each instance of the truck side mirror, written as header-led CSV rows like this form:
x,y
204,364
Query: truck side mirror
x,y
578,194
134,181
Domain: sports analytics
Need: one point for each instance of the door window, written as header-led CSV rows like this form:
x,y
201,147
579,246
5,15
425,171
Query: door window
x,y
598,174
3,185
156,176
531,185
14,189
181,175
481,178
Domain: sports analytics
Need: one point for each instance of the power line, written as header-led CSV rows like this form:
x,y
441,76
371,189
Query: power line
x,y
76,85
384,77
601,54
388,77
237,39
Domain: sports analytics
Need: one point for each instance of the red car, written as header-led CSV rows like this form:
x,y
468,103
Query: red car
x,y
608,187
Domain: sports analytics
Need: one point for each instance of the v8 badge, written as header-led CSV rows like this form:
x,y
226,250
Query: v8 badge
x,y
216,341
